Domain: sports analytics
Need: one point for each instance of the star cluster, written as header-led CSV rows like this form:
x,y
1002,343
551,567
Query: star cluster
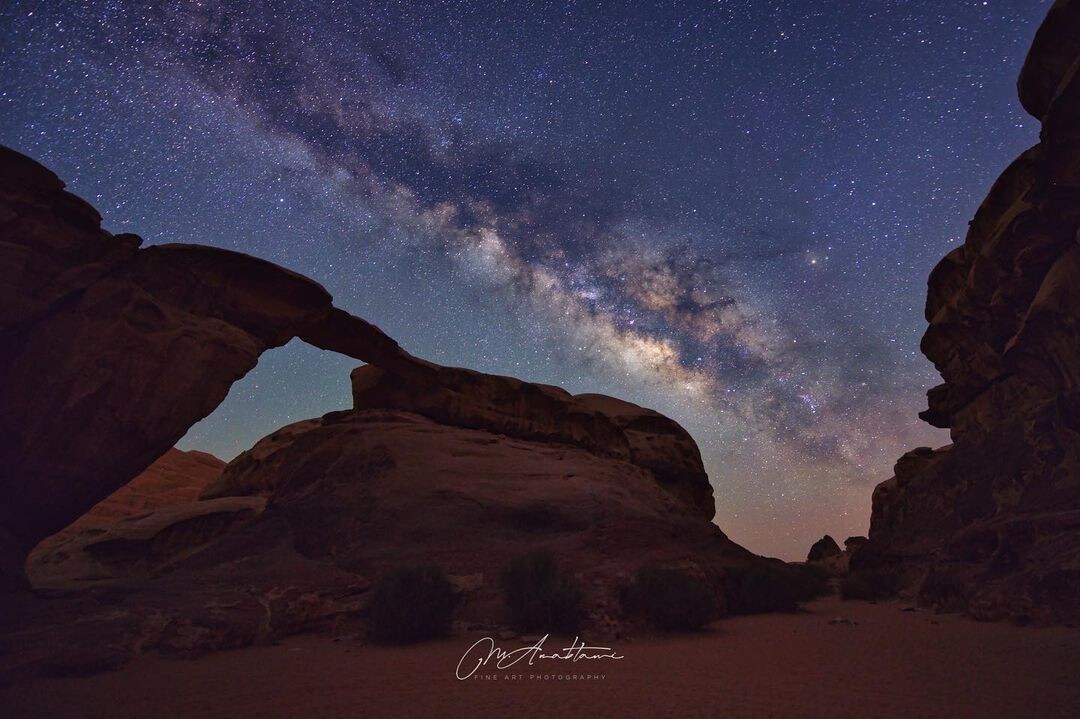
x,y
725,211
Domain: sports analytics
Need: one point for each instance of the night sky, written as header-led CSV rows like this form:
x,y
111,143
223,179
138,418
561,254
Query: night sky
x,y
724,211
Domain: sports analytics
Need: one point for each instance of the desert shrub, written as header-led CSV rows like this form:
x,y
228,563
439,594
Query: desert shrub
x,y
412,603
540,597
767,588
867,585
944,590
670,599
809,581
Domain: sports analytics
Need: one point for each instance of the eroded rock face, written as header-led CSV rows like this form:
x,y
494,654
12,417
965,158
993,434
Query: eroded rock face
x,y
136,547
470,470
986,524
293,533
89,326
507,406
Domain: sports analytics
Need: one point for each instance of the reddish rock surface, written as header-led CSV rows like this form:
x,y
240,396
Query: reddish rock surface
x,y
137,546
988,524
174,478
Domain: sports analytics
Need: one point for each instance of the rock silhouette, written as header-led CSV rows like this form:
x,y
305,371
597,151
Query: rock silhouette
x,y
823,549
991,523
90,328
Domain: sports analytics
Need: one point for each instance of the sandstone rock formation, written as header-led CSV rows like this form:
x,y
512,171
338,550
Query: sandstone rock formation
x,y
136,547
89,326
432,464
292,534
991,523
853,544
827,555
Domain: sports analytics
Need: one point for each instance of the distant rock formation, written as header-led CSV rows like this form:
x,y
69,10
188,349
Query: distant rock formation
x,y
827,555
853,544
90,325
991,523
823,549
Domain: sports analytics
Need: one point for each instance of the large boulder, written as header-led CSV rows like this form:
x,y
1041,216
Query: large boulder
x,y
89,326
987,524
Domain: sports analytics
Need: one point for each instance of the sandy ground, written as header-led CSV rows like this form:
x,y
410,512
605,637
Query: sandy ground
x,y
890,663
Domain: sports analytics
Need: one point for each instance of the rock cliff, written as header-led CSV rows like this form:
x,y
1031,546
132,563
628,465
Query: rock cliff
x,y
991,523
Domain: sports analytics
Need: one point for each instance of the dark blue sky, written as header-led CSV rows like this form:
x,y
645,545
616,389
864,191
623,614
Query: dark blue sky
x,y
726,211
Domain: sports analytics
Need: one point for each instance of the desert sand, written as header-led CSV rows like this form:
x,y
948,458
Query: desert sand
x,y
887,663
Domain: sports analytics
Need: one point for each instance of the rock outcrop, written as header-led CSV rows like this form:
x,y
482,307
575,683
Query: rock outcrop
x,y
293,533
89,326
452,396
991,523
827,555
372,489
823,549
136,547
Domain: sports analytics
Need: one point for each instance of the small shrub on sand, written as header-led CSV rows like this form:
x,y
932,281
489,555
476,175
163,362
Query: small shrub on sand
x,y
670,599
540,597
766,588
410,604
868,586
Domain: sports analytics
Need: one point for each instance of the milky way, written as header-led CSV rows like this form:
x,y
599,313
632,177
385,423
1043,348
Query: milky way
x,y
725,211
